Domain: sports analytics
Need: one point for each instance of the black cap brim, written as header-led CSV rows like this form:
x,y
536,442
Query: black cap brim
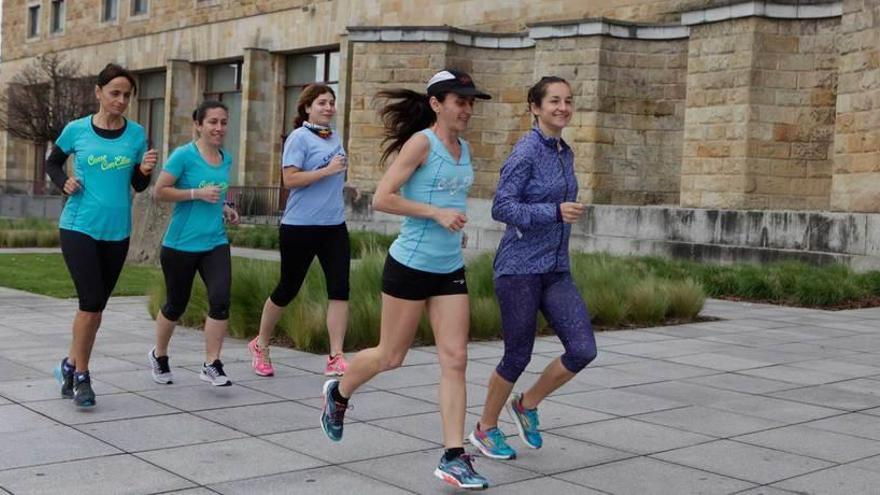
x,y
476,93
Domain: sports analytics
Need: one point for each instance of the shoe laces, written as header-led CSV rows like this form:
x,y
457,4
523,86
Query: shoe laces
x,y
338,414
163,364
468,460
215,369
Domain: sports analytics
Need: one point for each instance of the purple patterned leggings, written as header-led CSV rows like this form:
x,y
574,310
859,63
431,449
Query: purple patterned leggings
x,y
555,295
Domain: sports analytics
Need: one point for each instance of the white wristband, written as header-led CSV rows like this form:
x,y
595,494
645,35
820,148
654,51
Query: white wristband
x,y
192,194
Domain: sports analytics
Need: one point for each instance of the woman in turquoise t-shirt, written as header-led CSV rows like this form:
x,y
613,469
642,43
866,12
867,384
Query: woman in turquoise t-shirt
x,y
110,157
196,178
427,183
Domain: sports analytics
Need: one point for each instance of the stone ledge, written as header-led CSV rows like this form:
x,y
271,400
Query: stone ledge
x,y
762,9
440,34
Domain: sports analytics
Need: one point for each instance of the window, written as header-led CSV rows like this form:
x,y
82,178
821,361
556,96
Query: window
x,y
33,27
303,70
139,7
151,107
224,84
58,12
110,10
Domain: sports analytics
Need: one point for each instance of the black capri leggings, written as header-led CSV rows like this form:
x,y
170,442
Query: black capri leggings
x,y
299,246
94,267
180,269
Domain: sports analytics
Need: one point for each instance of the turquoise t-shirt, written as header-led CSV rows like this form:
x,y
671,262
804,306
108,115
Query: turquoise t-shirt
x,y
319,203
101,209
197,225
424,244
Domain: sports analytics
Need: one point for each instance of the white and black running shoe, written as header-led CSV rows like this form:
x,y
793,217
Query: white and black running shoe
x,y
160,369
213,373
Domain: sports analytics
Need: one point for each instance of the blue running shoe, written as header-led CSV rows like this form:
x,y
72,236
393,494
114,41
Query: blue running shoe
x,y
333,414
526,421
459,472
64,375
491,443
83,395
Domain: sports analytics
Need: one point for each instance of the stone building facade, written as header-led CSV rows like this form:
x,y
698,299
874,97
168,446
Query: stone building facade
x,y
687,103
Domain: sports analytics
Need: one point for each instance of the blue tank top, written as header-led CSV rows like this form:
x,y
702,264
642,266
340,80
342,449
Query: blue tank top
x,y
424,244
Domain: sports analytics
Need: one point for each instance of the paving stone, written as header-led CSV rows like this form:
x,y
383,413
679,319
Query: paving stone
x,y
741,383
791,374
205,396
617,402
834,481
361,441
264,419
17,418
40,389
159,432
720,362
744,462
707,421
633,436
855,424
378,405
776,409
642,475
229,460
112,475
831,396
663,370
320,480
830,446
109,408
47,445
544,485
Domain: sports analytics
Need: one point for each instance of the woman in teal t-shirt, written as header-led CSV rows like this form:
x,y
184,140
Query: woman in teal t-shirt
x,y
110,158
196,177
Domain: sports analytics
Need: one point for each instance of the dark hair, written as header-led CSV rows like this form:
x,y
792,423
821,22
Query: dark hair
x,y
306,98
408,115
201,111
539,90
111,72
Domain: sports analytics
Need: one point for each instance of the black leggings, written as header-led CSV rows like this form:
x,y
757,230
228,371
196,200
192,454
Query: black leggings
x,y
299,246
180,267
94,267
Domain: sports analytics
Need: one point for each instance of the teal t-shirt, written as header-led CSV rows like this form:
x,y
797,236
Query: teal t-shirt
x,y
101,209
443,182
197,225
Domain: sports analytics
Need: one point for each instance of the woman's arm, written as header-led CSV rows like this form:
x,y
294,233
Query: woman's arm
x,y
509,205
165,191
388,199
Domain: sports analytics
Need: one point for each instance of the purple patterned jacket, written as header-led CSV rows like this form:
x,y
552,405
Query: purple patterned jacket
x,y
536,177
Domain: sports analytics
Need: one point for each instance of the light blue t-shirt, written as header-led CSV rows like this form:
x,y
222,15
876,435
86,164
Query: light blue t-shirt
x,y
197,225
101,209
319,203
424,244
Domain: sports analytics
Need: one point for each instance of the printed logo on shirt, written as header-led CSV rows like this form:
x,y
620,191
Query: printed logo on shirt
x,y
455,185
325,160
222,185
118,162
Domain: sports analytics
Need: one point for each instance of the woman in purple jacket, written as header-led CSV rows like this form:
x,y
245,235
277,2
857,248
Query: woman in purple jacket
x,y
536,198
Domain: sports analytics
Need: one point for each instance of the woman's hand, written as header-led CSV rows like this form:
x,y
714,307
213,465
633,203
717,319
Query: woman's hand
x,y
72,186
571,212
451,220
208,194
148,163
231,215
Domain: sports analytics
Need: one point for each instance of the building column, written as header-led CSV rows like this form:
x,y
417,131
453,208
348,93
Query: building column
x,y
258,103
856,172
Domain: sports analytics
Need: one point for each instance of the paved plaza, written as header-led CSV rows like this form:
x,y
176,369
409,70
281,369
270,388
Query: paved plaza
x,y
768,400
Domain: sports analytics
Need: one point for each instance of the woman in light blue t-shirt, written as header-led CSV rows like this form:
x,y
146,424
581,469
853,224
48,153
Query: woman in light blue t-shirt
x,y
427,183
195,178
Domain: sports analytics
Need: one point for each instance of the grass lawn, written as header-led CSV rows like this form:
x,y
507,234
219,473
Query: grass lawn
x,y
47,274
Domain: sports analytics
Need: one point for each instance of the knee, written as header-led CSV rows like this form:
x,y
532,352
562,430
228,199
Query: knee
x,y
579,359
92,304
391,360
512,366
218,310
172,312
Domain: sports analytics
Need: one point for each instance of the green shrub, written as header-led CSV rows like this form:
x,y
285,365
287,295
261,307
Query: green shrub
x,y
686,299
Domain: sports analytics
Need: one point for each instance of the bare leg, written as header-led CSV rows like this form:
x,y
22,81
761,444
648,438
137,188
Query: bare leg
x,y
337,324
164,331
450,320
400,320
554,376
499,391
215,332
85,328
268,320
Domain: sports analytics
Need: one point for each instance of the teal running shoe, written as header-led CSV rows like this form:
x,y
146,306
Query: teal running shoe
x,y
83,395
491,443
526,421
459,472
64,375
333,413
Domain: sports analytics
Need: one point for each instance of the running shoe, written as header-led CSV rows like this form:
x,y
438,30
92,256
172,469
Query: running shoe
x,y
83,395
64,375
459,472
336,366
333,413
491,443
260,359
213,373
160,369
526,421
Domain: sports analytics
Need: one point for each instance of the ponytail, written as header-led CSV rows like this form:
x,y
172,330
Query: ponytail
x,y
409,114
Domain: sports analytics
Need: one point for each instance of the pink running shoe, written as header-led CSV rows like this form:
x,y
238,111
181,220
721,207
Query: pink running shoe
x,y
261,361
336,365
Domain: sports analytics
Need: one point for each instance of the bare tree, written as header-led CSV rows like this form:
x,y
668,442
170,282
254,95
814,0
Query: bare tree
x,y
44,97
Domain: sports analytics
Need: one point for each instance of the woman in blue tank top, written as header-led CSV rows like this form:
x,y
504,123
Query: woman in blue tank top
x,y
427,183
